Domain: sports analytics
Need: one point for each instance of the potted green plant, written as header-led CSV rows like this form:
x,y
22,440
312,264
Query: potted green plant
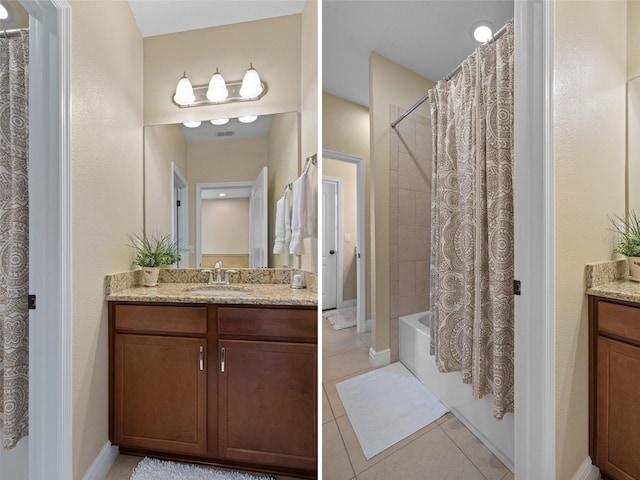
x,y
153,252
628,230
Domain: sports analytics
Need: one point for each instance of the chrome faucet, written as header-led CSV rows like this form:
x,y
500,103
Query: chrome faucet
x,y
210,272
218,268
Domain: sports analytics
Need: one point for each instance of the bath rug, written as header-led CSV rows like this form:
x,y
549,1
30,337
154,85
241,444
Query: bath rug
x,y
341,317
154,469
387,405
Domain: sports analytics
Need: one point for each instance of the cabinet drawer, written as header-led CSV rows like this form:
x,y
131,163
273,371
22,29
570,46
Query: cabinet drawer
x,y
268,323
161,319
619,320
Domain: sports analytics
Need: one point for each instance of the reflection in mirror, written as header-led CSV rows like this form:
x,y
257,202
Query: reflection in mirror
x,y
187,170
633,145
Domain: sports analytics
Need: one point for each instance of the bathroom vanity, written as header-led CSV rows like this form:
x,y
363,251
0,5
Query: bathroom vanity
x,y
215,379
614,379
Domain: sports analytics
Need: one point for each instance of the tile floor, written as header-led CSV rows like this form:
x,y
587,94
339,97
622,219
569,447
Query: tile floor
x,y
444,450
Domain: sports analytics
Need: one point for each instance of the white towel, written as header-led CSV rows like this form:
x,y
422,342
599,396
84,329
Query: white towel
x,y
283,227
302,214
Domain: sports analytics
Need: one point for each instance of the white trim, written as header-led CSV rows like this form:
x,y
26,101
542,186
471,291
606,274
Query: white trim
x,y
586,471
50,356
338,182
379,359
362,324
205,186
535,452
102,463
183,234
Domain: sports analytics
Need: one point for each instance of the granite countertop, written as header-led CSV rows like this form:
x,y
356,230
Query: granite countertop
x,y
610,280
256,294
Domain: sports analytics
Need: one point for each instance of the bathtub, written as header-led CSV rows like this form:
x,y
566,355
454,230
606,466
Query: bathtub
x,y
477,415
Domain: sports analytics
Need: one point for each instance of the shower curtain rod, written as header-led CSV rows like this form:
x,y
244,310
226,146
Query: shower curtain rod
x,y
11,33
497,35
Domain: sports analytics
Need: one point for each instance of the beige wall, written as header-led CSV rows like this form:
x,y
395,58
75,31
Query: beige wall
x,y
345,129
233,215
107,197
272,45
589,137
222,161
163,145
347,172
389,84
283,151
309,115
633,39
18,16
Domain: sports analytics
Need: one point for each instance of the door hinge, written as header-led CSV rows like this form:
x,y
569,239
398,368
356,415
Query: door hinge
x,y
177,203
31,301
517,288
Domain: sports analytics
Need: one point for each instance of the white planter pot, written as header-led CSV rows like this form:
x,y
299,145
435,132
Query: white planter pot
x,y
634,268
150,276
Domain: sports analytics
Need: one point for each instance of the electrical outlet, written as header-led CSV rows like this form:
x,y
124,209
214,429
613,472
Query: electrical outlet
x,y
347,237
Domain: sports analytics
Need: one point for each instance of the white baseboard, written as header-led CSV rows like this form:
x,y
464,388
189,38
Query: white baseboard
x,y
379,359
103,462
349,303
587,471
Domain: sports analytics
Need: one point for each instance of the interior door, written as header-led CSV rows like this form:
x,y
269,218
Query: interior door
x,y
329,245
258,224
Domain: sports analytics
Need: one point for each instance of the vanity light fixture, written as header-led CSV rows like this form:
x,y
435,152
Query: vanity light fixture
x,y
193,124
251,84
248,118
218,91
4,11
222,194
220,121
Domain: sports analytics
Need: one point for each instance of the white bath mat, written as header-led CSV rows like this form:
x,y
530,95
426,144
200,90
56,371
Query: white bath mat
x,y
154,469
341,317
386,405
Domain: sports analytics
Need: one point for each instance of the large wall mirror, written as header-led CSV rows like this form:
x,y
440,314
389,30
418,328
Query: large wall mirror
x,y
633,145
214,188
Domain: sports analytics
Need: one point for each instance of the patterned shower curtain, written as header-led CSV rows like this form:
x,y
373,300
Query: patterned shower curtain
x,y
472,258
14,239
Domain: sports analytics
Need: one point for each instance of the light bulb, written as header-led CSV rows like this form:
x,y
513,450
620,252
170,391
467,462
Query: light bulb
x,y
482,33
220,121
251,84
184,92
248,118
4,13
193,124
217,88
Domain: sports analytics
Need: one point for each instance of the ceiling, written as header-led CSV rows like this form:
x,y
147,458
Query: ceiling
x,y
430,37
160,17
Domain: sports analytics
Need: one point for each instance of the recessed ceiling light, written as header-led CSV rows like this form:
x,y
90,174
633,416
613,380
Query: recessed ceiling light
x,y
192,124
482,32
4,13
222,194
248,118
220,121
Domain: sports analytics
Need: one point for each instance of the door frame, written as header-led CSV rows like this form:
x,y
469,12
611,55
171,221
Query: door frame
x,y
210,186
50,242
534,334
339,239
363,325
179,183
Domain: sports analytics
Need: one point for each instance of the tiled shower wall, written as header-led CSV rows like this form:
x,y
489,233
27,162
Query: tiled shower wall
x,y
409,218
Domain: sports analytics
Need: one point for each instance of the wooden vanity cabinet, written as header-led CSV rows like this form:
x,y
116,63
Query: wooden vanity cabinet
x,y
267,390
159,383
234,386
614,388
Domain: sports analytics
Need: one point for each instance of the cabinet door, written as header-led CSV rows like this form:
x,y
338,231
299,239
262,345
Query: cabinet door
x,y
618,409
267,403
160,393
